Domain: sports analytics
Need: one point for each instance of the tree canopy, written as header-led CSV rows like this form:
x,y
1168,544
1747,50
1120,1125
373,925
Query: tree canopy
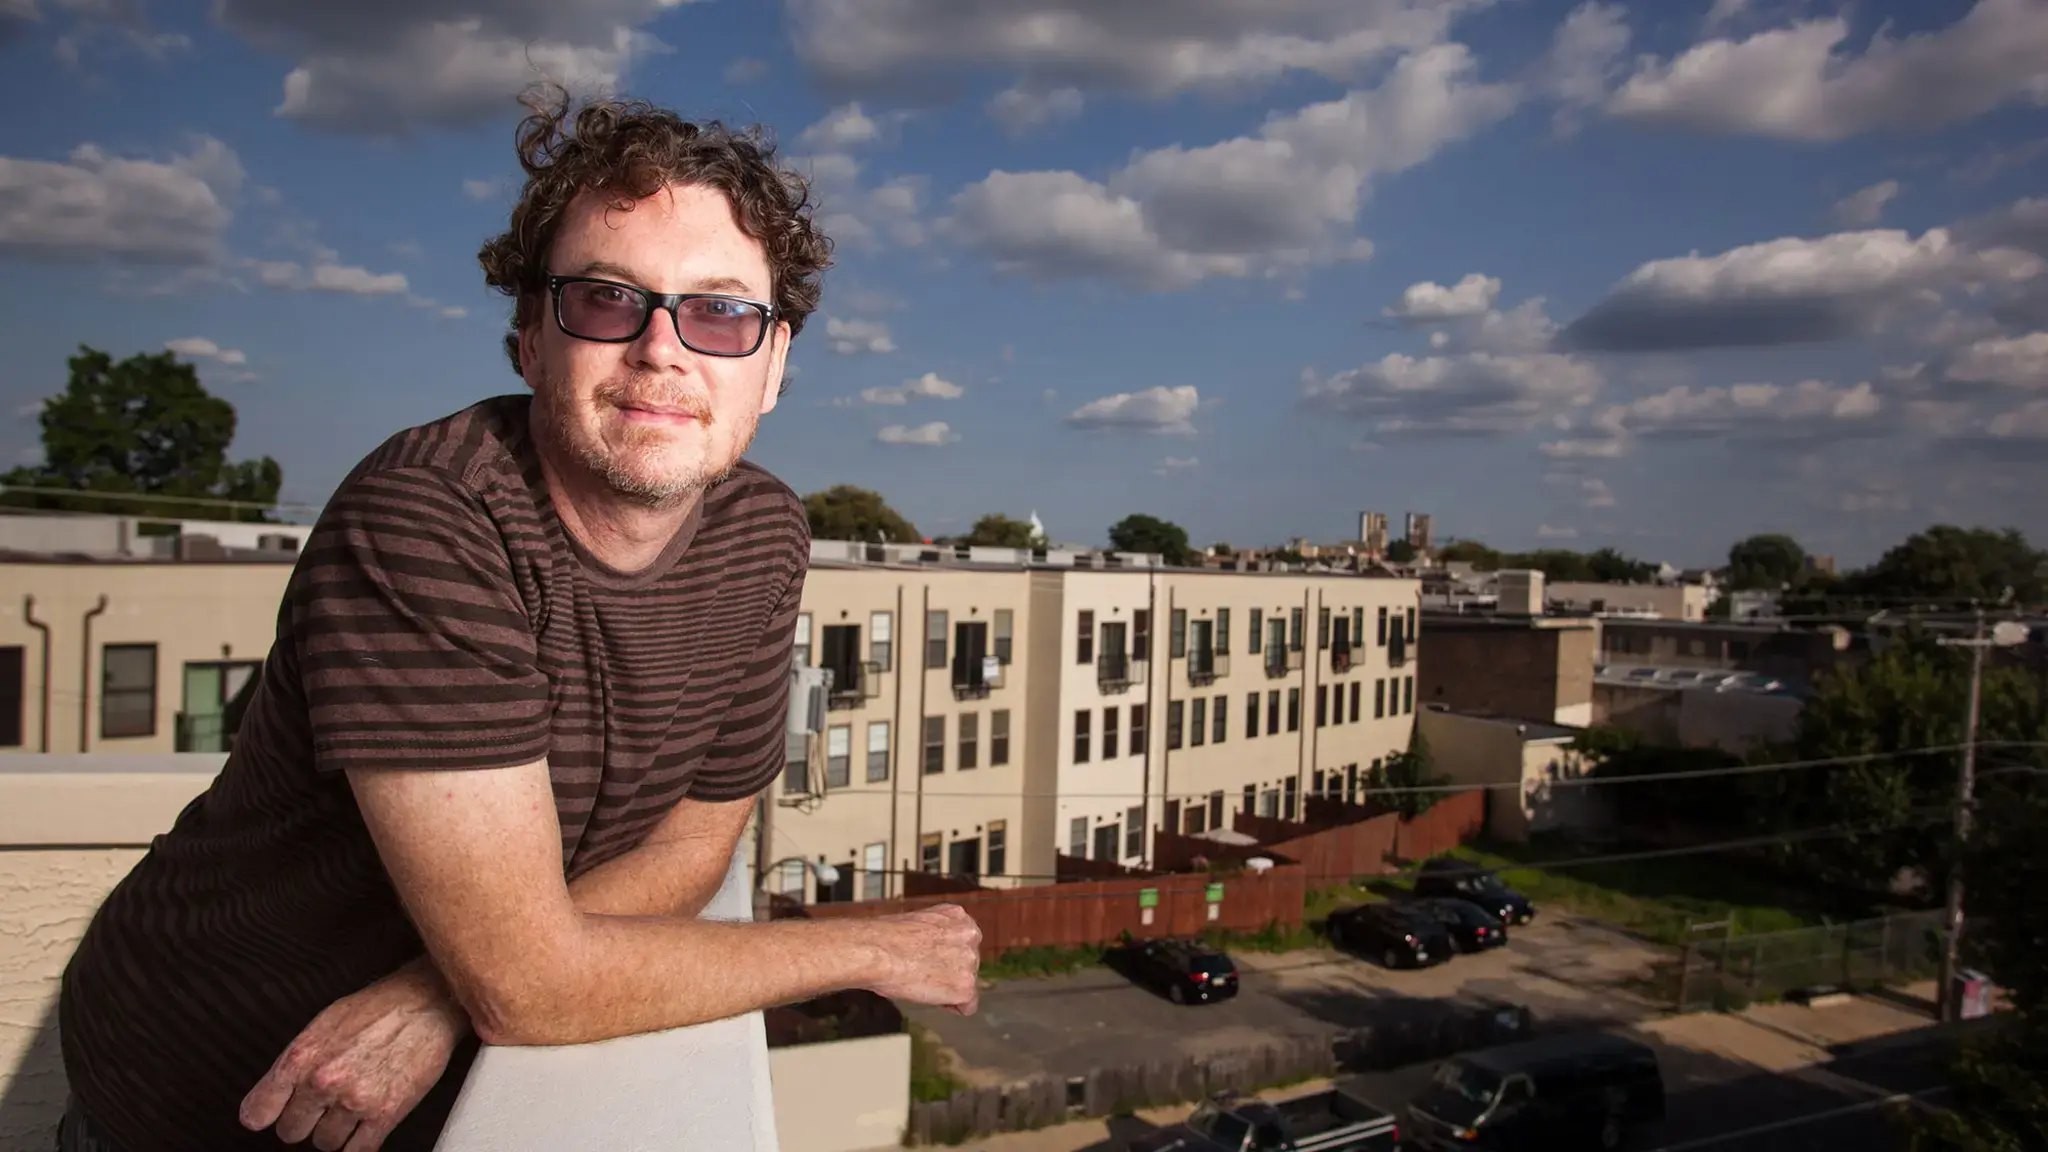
x,y
148,435
1604,565
1947,563
1139,532
996,530
1771,560
844,512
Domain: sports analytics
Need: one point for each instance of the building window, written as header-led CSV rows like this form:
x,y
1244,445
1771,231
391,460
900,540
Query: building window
x,y
1084,639
1273,711
1383,627
1082,721
803,639
1323,630
1290,792
998,847
1411,625
1177,634
1356,687
1134,831
1294,629
1250,803
1137,729
1141,634
934,744
1005,621
935,639
970,740
839,756
878,751
791,880
1379,699
1257,631
1294,709
1322,705
840,655
1358,626
1173,721
1220,717
1077,837
13,696
999,737
874,872
882,640
1198,722
1202,649
1251,716
127,691
1223,631
1408,695
928,852
1109,733
1106,836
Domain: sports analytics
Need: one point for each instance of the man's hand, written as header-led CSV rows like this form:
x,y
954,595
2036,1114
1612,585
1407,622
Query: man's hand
x,y
362,1065
933,957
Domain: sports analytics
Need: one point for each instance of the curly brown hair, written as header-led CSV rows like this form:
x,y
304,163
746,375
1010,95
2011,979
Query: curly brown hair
x,y
629,150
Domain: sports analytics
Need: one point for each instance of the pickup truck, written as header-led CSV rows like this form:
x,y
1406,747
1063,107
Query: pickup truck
x,y
1333,1120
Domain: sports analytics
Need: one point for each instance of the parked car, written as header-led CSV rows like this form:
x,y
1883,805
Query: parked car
x,y
1569,1092
1183,971
1397,935
1333,1120
1462,880
1472,928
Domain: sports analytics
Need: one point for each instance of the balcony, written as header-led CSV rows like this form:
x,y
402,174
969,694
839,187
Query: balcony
x,y
1397,651
803,773
1204,666
1340,659
71,826
1115,671
972,679
854,685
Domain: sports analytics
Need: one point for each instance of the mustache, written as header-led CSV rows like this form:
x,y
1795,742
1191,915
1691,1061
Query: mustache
x,y
649,393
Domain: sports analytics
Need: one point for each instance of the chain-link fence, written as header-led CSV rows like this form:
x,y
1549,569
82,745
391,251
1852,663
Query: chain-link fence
x,y
1721,970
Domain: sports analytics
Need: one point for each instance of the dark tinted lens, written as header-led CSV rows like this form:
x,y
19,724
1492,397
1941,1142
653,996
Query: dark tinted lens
x,y
601,311
720,327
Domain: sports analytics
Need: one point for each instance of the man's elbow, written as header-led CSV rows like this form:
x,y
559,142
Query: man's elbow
x,y
525,1001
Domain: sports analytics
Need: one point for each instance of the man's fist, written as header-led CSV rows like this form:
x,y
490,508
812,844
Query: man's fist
x,y
931,956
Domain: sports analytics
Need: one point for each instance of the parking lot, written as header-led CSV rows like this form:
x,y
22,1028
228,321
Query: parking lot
x,y
1560,968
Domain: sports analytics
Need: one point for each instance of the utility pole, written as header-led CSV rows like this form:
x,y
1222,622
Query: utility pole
x,y
2004,635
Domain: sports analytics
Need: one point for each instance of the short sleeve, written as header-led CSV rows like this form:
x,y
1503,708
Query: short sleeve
x,y
414,647
750,747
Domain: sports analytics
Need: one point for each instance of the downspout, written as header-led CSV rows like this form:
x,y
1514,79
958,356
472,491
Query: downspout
x,y
896,735
28,616
85,674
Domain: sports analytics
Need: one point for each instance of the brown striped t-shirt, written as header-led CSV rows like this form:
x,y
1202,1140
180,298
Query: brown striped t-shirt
x,y
439,617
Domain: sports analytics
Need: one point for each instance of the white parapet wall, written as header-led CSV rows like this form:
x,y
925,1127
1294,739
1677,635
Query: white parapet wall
x,y
842,1096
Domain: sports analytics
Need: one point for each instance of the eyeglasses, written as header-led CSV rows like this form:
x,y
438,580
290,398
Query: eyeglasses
x,y
708,323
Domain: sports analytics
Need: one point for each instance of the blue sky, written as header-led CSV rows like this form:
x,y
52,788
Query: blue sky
x,y
1654,275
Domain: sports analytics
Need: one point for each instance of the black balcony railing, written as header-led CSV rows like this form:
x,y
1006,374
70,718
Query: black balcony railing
x,y
1113,671
1340,659
970,680
854,685
1205,665
1397,650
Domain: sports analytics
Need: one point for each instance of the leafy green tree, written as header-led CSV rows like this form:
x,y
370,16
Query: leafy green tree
x,y
996,530
1482,558
1772,560
1401,552
844,512
1699,804
1611,567
1946,563
1415,768
1222,549
149,435
1139,532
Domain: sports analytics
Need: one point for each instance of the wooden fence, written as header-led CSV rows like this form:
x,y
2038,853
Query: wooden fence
x,y
1337,841
1099,911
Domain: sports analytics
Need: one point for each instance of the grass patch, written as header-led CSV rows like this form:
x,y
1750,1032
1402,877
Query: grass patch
x,y
1656,898
931,1074
1323,901
1030,963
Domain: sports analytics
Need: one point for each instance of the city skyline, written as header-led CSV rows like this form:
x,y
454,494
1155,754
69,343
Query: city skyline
x,y
1654,277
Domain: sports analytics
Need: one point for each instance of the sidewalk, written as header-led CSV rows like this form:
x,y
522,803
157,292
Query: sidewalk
x,y
1776,1038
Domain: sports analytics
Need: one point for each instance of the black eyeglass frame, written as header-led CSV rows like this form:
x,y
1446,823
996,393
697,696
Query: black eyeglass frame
x,y
655,302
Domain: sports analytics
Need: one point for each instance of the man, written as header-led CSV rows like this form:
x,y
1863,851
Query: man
x,y
528,675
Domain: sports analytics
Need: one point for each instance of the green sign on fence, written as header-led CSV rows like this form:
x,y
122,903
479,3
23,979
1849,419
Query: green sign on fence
x,y
1148,897
1215,893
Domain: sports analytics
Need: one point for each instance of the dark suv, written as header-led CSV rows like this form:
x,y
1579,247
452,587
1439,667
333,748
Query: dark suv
x,y
1183,971
1397,935
1461,880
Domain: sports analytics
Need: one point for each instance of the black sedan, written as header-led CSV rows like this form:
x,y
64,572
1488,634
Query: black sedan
x,y
1183,971
1397,935
1458,880
1472,928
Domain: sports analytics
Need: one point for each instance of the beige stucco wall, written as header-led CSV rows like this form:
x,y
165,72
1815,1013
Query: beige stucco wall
x,y
845,1096
1670,601
1102,790
1476,750
190,611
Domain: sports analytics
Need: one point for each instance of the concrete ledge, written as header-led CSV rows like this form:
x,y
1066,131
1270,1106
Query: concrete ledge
x,y
49,805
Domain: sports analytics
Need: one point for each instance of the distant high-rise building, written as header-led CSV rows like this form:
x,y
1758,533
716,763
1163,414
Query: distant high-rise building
x,y
1372,532
1821,564
1417,533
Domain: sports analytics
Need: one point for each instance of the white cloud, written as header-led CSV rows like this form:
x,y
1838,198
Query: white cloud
x,y
745,70
898,46
1169,411
479,189
1797,82
2002,361
1811,410
851,337
928,386
1472,394
1547,532
387,66
1287,197
862,216
347,279
847,127
930,435
200,348
95,204
1020,110
1430,303
1865,207
1789,290
1175,464
1585,60
2028,422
